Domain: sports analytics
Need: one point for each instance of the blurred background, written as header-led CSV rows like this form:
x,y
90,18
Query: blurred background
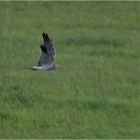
x,y
95,94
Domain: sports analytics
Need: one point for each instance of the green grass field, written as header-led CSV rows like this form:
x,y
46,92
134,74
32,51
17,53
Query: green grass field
x,y
96,92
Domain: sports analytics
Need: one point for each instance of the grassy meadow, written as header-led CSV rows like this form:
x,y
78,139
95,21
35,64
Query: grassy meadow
x,y
96,92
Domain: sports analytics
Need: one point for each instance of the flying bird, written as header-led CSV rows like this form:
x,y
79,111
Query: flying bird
x,y
47,55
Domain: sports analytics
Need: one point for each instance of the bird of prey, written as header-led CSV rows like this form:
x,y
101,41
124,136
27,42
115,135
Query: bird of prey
x,y
47,55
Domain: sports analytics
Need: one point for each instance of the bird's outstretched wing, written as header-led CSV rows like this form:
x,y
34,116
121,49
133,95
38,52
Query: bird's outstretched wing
x,y
47,45
45,37
48,51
